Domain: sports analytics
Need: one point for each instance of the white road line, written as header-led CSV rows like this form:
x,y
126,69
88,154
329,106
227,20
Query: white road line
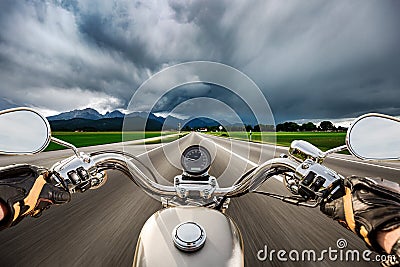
x,y
365,163
227,150
148,151
248,142
329,157
240,157
153,149
231,152
139,141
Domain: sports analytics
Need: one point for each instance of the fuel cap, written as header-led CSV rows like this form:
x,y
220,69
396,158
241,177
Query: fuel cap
x,y
189,236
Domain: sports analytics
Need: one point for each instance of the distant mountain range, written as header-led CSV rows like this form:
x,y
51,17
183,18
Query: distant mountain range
x,y
89,119
87,113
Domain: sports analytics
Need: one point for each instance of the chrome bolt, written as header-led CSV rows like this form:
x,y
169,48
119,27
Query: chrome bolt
x,y
305,166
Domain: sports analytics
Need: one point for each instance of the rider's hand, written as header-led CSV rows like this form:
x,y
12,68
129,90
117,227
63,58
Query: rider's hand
x,y
25,191
367,207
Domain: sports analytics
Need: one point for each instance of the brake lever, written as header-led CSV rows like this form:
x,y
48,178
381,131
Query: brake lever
x,y
298,201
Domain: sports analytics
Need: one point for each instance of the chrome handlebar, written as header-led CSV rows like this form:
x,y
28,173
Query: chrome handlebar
x,y
307,179
258,176
116,161
80,173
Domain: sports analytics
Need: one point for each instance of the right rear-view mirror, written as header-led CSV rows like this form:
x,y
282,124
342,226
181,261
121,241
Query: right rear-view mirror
x,y
375,137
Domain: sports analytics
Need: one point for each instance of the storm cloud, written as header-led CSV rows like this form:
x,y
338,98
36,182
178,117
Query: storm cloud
x,y
311,59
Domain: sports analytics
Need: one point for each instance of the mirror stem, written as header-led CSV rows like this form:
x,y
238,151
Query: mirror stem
x,y
65,144
335,150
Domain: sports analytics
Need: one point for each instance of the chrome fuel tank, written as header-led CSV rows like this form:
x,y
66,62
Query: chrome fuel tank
x,y
223,245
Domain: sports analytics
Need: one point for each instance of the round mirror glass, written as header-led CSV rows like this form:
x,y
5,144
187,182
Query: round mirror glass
x,y
23,131
375,136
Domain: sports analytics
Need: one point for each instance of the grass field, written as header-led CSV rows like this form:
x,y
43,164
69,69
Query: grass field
x,y
81,139
323,140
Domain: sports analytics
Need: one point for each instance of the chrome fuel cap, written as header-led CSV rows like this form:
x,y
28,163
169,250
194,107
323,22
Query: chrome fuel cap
x,y
189,236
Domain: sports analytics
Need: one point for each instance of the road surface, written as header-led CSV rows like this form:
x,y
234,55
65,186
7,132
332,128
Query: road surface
x,y
101,227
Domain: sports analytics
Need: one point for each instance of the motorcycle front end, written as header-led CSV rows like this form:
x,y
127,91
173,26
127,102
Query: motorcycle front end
x,y
192,228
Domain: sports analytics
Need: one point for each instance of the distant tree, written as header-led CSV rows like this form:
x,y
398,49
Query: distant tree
x,y
268,128
327,126
309,127
264,128
342,129
212,128
186,128
249,128
287,127
234,128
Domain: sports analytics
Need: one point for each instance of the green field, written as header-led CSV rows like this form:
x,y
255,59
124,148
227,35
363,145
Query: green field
x,y
323,140
81,139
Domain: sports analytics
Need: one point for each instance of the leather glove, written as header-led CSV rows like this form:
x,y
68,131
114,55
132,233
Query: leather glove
x,y
366,206
25,191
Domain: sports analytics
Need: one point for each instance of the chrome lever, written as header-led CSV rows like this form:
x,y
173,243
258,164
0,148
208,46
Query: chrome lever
x,y
298,201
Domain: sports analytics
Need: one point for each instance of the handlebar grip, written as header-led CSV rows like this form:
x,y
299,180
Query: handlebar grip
x,y
56,195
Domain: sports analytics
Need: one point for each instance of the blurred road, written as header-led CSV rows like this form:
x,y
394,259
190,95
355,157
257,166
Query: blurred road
x,y
101,227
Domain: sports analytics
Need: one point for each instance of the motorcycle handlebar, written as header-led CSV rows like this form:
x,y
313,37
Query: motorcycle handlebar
x,y
260,174
119,162
250,182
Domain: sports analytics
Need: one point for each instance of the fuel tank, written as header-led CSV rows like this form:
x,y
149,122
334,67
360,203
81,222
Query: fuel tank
x,y
223,242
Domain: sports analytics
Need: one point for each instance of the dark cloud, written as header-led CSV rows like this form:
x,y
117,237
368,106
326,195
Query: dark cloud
x,y
311,59
203,96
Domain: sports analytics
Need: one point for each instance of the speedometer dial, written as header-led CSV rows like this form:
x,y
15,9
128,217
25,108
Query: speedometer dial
x,y
196,160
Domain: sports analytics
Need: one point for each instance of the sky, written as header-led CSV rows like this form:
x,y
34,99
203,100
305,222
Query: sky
x,y
311,59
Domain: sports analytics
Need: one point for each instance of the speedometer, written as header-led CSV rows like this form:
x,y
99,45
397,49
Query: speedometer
x,y
196,160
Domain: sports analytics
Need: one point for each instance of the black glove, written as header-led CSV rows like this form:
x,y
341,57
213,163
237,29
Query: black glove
x,y
366,207
25,191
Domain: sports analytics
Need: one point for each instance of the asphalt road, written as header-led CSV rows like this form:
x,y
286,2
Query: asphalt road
x,y
101,227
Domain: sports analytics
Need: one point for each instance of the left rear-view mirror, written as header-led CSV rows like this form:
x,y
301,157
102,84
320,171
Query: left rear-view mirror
x,y
23,131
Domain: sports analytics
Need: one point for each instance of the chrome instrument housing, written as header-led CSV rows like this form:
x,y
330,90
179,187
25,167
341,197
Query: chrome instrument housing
x,y
195,190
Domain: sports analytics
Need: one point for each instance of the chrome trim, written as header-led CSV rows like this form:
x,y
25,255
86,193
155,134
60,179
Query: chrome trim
x,y
258,176
194,176
328,174
355,122
62,168
335,150
66,144
251,182
189,236
150,187
200,188
44,120
301,150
